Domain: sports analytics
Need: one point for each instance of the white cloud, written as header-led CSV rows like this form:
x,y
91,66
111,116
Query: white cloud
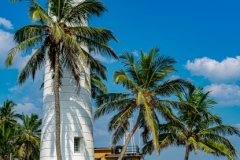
x,y
28,97
225,71
173,77
13,89
29,92
28,108
20,61
102,58
237,125
25,99
135,53
224,94
6,44
100,132
6,23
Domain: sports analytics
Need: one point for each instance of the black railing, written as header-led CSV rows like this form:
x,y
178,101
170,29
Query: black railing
x,y
132,149
129,150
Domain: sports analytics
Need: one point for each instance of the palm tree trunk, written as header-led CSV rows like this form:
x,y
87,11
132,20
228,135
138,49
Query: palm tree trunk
x,y
129,136
187,152
57,103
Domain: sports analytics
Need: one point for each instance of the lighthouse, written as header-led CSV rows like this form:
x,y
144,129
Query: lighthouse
x,y
76,118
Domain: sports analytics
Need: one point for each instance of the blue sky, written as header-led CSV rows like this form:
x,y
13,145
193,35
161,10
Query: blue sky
x,y
203,36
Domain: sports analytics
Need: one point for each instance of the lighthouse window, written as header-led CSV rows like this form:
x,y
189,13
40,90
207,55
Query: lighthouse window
x,y
77,141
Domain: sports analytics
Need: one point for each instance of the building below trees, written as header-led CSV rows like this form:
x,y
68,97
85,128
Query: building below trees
x,y
132,153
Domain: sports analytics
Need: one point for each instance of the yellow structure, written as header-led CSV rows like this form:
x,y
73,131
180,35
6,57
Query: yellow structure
x,y
113,154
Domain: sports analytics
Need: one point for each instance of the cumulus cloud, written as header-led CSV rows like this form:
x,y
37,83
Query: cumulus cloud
x,y
135,53
103,59
6,44
100,132
20,61
224,94
6,23
28,108
173,77
13,89
101,136
225,71
29,92
237,125
28,97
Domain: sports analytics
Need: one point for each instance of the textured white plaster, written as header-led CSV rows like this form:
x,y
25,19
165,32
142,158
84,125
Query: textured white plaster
x,y
50,120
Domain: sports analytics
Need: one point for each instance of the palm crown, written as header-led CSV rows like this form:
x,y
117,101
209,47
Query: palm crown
x,y
65,24
29,140
8,128
146,79
7,115
202,130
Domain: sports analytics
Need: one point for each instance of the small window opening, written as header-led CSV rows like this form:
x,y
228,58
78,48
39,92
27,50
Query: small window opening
x,y
77,141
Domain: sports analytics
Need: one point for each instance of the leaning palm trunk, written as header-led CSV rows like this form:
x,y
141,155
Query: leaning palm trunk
x,y
129,137
187,152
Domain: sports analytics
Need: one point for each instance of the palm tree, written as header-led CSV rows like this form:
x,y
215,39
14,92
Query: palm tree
x,y
147,82
60,33
201,131
8,138
7,114
8,129
29,139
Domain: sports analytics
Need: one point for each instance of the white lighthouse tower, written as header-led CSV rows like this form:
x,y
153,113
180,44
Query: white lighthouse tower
x,y
76,119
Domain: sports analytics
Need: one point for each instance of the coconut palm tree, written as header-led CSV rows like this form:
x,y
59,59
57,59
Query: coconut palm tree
x,y
201,131
29,139
8,129
147,81
8,137
7,115
60,34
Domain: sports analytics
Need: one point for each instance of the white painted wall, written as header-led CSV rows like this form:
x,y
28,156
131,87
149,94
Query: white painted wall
x,y
76,119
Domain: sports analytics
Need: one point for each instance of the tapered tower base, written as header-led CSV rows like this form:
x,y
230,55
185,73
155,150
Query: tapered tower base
x,y
76,119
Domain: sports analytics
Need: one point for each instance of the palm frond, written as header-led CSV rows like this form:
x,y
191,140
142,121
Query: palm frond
x,y
38,14
170,87
80,13
120,118
97,84
119,132
22,47
97,67
224,130
122,78
34,63
111,102
27,32
97,34
132,67
102,48
152,124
